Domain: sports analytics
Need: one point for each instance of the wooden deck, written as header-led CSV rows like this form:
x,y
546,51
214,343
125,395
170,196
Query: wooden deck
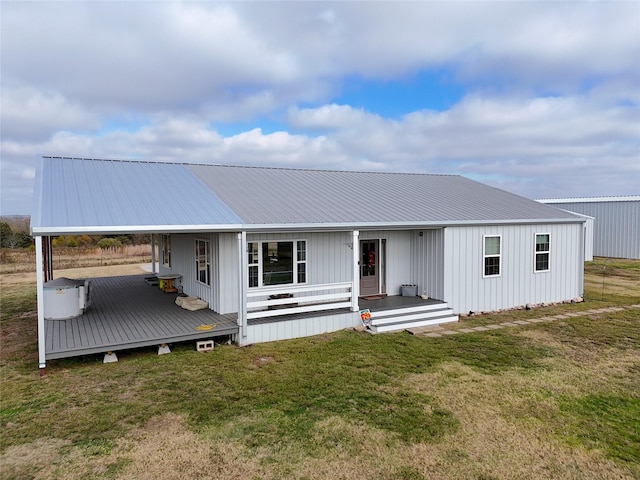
x,y
128,313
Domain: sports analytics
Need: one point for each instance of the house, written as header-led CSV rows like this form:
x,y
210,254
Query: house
x,y
279,253
616,229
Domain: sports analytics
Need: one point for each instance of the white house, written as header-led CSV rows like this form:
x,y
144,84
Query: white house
x,y
286,253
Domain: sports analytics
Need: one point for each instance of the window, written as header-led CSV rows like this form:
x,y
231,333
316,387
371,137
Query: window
x,y
277,263
166,250
492,254
203,262
254,264
543,246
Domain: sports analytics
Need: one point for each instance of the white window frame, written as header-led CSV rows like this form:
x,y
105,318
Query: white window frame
x,y
258,261
541,252
207,260
485,256
166,250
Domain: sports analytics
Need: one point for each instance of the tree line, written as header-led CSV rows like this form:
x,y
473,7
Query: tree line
x,y
14,233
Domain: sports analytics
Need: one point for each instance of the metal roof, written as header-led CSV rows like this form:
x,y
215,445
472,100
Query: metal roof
x,y
291,196
92,196
627,198
87,195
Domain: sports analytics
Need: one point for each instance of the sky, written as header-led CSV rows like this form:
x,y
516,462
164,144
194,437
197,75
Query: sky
x,y
541,99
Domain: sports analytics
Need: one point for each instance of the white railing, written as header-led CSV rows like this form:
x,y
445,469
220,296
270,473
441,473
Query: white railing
x,y
285,300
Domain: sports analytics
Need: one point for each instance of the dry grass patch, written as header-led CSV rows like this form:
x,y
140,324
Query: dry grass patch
x,y
23,461
501,434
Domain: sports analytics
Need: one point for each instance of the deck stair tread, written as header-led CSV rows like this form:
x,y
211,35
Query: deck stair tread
x,y
412,317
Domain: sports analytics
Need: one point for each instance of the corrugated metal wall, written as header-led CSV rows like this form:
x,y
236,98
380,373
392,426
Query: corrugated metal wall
x,y
228,280
286,329
616,226
329,254
397,264
183,262
427,264
465,288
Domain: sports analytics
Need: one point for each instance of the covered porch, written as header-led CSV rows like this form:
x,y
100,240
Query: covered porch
x,y
127,313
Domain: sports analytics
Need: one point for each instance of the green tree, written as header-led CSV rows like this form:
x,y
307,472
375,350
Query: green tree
x,y
6,234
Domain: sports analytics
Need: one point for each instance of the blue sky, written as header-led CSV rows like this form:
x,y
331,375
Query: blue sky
x,y
539,98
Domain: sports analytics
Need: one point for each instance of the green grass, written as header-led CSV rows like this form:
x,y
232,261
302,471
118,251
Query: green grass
x,y
289,409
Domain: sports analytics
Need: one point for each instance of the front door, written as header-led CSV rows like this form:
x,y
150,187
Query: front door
x,y
369,267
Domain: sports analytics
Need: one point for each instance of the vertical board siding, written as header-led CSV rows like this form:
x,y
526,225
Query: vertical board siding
x,y
329,254
427,262
616,229
397,261
183,262
227,273
465,288
305,327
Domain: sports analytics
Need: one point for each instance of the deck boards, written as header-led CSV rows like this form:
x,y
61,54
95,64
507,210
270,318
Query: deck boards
x,y
126,313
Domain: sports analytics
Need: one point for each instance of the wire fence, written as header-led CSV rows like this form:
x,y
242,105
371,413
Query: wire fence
x,y
14,260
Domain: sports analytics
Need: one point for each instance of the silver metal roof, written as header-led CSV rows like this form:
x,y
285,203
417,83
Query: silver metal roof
x,y
87,195
92,196
294,196
626,198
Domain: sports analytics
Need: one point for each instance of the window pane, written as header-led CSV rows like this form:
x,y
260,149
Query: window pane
x,y
253,276
492,245
302,251
542,261
302,272
253,253
277,263
492,266
542,243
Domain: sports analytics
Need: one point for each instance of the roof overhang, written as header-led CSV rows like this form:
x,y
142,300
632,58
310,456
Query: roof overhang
x,y
285,227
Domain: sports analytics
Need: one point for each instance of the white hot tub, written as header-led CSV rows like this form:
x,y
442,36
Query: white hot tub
x,y
65,298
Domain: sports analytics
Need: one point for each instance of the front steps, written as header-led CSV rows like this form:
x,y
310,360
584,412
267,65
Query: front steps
x,y
411,317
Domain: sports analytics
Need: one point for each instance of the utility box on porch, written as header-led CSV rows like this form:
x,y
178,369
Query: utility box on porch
x,y
409,290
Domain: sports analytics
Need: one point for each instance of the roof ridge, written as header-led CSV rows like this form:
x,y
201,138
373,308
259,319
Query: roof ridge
x,y
257,167
607,198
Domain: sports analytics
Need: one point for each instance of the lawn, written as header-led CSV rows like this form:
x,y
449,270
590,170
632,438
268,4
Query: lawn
x,y
550,400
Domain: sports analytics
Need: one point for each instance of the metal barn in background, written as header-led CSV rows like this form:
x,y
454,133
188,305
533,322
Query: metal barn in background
x,y
616,223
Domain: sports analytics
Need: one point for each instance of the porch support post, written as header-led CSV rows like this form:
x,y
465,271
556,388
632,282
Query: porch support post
x,y
153,253
243,283
40,295
355,288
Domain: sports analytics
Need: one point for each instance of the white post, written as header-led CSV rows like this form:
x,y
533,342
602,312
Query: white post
x,y
42,363
243,284
355,288
153,253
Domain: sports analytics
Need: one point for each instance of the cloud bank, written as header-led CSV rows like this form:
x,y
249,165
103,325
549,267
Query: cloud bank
x,y
549,101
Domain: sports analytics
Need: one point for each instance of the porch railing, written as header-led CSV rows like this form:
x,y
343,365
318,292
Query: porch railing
x,y
289,299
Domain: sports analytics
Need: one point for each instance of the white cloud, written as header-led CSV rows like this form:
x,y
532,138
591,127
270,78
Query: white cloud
x,y
30,113
552,88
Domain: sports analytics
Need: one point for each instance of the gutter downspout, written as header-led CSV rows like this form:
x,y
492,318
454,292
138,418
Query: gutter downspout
x,y
42,363
243,283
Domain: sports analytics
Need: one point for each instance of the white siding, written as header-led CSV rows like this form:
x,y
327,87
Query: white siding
x,y
465,288
329,254
287,329
397,261
616,225
183,262
227,273
427,262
